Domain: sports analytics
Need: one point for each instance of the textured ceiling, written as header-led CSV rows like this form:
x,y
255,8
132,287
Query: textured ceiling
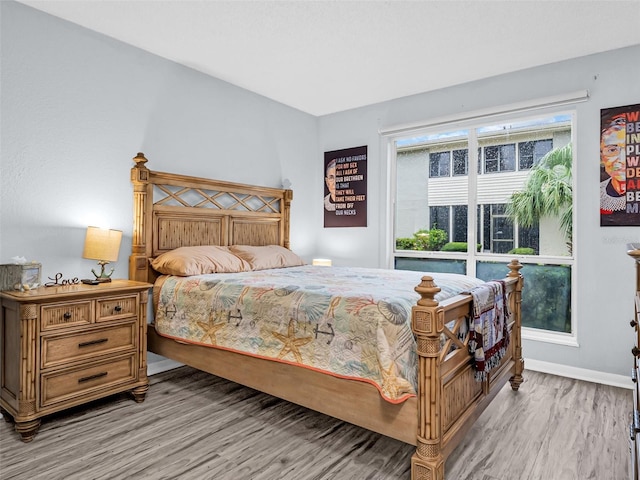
x,y
327,56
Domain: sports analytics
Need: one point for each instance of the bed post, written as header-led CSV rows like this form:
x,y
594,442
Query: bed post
x,y
516,338
288,196
427,323
138,260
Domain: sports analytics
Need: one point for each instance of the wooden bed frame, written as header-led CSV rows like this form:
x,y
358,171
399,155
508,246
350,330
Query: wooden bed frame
x,y
175,210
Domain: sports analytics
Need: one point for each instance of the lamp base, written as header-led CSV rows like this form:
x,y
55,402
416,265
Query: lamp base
x,y
104,276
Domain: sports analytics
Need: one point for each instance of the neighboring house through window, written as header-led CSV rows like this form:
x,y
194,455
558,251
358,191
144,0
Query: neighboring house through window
x,y
438,184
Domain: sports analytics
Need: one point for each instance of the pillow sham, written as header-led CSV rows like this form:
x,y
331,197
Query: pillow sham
x,y
267,256
186,261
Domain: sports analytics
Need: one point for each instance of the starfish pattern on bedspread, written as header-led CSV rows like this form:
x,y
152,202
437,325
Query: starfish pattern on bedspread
x,y
392,385
210,329
291,343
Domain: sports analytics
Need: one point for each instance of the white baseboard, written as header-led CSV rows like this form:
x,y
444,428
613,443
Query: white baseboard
x,y
162,366
622,381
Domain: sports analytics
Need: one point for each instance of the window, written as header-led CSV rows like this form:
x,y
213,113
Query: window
x,y
459,233
529,237
439,218
473,172
530,153
439,164
500,229
500,158
460,162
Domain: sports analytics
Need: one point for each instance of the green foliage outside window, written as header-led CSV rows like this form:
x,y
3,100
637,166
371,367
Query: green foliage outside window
x,y
546,296
429,240
406,243
458,247
522,251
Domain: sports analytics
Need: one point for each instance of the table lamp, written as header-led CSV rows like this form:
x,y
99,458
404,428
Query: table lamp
x,y
103,245
323,262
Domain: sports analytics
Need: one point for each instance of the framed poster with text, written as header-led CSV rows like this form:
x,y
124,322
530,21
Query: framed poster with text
x,y
620,166
345,187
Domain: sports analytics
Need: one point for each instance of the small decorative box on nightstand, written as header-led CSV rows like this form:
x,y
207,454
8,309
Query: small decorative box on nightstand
x,y
19,276
66,345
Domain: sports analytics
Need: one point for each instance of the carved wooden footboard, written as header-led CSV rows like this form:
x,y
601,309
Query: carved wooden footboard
x,y
449,397
174,210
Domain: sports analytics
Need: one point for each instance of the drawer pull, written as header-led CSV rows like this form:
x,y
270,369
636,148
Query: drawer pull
x,y
93,342
632,433
67,315
117,308
635,351
92,377
633,323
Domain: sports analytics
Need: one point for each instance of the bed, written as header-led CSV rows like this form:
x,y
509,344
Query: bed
x,y
173,211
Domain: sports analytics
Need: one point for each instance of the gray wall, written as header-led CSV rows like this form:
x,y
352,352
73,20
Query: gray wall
x,y
605,273
76,107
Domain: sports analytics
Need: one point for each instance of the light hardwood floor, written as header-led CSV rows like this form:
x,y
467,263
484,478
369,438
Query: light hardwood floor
x,y
197,426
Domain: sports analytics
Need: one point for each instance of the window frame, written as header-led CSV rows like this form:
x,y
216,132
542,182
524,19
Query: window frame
x,y
391,136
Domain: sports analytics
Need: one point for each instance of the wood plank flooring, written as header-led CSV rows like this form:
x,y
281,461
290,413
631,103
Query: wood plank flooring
x,y
196,426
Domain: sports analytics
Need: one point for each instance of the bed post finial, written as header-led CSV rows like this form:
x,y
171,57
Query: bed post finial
x,y
140,160
427,290
514,268
139,172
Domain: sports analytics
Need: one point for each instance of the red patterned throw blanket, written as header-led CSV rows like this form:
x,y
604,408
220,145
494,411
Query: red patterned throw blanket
x,y
489,337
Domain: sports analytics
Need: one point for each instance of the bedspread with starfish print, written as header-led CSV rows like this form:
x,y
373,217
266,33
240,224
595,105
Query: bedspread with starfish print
x,y
345,321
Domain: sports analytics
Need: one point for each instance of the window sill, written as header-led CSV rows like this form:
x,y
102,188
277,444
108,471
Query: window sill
x,y
547,336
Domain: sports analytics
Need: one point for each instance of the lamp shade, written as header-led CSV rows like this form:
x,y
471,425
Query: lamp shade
x,y
102,244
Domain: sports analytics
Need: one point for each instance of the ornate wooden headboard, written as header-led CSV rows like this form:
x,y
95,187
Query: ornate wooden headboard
x,y
171,211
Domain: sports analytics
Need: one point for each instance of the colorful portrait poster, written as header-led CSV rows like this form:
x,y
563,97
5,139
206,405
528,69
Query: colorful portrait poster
x,y
620,166
345,187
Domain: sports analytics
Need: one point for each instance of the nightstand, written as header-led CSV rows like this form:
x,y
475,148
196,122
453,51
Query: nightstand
x,y
66,345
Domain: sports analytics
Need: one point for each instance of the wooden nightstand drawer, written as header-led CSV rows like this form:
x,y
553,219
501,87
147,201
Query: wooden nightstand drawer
x,y
66,314
114,308
73,383
61,349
